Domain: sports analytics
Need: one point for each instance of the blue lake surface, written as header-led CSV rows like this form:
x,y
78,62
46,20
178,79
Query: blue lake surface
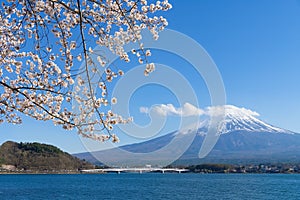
x,y
151,186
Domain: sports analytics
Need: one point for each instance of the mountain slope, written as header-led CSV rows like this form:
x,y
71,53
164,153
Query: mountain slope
x,y
247,147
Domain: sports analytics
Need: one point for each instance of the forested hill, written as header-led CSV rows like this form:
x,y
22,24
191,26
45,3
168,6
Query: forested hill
x,y
38,157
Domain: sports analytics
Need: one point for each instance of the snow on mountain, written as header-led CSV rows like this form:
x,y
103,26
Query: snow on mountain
x,y
232,118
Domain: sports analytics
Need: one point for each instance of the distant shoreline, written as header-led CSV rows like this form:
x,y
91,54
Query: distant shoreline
x,y
79,173
136,173
210,168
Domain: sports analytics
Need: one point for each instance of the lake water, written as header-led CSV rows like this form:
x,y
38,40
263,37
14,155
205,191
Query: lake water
x,y
151,186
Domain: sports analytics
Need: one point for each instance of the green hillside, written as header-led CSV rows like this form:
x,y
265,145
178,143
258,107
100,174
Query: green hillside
x,y
39,157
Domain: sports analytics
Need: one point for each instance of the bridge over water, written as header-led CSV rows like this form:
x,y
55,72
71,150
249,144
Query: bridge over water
x,y
135,170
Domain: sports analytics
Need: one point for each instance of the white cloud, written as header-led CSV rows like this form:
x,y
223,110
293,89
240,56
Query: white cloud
x,y
144,110
169,109
230,110
190,110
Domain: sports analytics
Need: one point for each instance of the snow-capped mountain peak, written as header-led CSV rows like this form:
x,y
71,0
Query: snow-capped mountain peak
x,y
233,118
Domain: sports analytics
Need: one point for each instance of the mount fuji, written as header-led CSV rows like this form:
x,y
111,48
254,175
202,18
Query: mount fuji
x,y
242,138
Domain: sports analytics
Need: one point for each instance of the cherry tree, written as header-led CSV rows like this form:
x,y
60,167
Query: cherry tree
x,y
43,43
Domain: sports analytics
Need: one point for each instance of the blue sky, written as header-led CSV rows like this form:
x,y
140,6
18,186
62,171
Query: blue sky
x,y
256,46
